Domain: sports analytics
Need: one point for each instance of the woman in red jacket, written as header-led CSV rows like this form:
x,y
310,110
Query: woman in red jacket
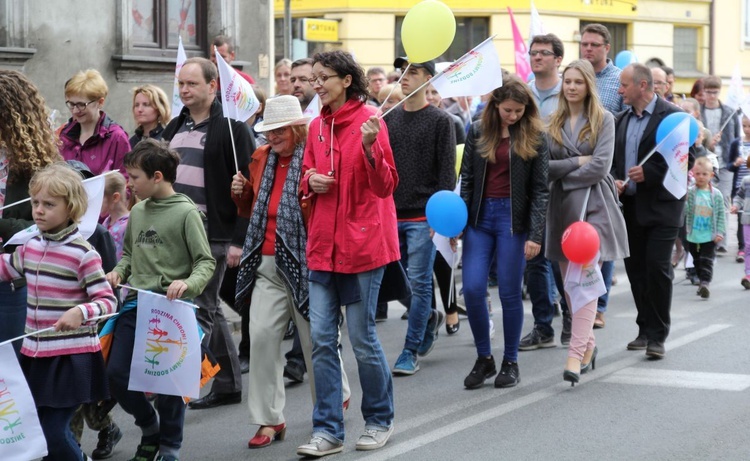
x,y
350,175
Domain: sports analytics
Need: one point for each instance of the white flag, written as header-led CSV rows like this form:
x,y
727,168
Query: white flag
x,y
166,350
95,189
736,93
237,96
475,73
313,109
537,26
176,101
674,149
21,436
584,283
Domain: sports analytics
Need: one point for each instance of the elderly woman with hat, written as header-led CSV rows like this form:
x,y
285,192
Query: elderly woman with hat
x,y
273,277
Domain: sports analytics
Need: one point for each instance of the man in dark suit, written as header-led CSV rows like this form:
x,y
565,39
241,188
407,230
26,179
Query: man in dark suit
x,y
652,215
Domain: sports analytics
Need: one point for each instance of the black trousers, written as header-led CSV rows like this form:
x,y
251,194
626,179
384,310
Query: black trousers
x,y
703,258
649,269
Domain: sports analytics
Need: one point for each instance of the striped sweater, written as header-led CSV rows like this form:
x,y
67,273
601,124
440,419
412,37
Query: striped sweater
x,y
62,271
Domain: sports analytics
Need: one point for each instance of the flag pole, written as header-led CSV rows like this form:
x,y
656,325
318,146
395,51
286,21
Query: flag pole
x,y
380,107
44,330
737,110
29,198
234,149
652,152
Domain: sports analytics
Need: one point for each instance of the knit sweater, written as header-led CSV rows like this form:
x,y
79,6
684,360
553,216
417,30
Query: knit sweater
x,y
718,220
62,271
424,149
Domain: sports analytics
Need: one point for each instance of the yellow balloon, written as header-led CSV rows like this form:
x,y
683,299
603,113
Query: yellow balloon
x,y
427,31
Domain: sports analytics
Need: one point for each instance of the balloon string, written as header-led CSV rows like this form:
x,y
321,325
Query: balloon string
x,y
585,204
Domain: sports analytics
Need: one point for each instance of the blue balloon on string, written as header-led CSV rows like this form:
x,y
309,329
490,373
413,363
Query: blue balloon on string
x,y
672,121
446,213
625,58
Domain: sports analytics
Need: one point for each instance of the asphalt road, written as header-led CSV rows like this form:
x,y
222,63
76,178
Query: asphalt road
x,y
693,405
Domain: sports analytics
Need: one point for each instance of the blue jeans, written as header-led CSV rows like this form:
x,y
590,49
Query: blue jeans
x,y
493,236
608,267
374,373
418,258
538,275
12,313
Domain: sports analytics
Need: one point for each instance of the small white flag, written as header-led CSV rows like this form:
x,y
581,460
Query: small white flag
x,y
166,350
21,436
584,283
674,149
313,109
477,72
238,99
95,189
176,101
736,93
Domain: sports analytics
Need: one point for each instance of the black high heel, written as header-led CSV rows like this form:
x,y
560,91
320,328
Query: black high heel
x,y
452,329
573,378
592,362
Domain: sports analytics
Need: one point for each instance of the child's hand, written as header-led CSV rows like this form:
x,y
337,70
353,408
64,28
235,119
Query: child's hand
x,y
70,320
176,290
733,210
114,279
718,239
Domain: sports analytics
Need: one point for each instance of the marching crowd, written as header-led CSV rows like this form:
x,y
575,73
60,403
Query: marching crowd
x,y
317,223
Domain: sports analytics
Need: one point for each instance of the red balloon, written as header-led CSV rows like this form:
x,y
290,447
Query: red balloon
x,y
580,242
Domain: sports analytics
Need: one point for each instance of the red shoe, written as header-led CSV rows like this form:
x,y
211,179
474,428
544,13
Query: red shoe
x,y
346,404
260,440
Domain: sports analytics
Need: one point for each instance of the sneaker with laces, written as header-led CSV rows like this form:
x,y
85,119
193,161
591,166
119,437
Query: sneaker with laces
x,y
431,333
745,282
484,368
372,439
318,447
567,330
536,340
145,452
108,438
406,364
509,375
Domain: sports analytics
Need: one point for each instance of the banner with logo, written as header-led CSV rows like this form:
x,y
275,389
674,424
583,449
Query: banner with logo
x,y
238,99
176,101
21,436
167,350
475,73
584,283
95,190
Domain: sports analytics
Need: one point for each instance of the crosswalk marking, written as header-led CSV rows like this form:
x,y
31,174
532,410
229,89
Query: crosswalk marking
x,y
680,379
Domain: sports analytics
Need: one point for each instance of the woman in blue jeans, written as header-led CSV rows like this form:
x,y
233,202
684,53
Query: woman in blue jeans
x,y
504,185
349,175
27,144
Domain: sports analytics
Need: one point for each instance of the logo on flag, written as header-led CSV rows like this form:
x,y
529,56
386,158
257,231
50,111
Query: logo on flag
x,y
21,436
166,351
238,99
476,72
675,150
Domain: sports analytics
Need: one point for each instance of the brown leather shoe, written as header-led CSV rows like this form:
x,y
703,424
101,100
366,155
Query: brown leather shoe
x,y
599,321
638,344
655,350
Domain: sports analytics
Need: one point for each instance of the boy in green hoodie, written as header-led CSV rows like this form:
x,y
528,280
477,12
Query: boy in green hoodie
x,y
165,250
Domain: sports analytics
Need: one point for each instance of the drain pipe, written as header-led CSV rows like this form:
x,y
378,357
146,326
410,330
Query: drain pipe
x,y
711,14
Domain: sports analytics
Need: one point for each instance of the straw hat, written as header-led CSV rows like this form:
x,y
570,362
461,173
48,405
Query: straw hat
x,y
281,111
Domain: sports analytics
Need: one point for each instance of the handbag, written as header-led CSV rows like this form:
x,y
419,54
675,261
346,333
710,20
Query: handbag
x,y
395,285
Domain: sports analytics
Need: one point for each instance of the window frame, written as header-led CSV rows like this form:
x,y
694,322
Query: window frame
x,y
678,43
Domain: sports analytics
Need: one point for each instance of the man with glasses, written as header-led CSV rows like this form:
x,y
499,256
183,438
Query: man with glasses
x,y
376,79
595,45
302,88
660,81
546,54
716,115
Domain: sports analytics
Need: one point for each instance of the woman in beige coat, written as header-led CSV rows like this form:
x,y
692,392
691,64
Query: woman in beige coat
x,y
581,145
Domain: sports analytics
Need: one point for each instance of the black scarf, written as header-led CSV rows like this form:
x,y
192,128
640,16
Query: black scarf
x,y
291,236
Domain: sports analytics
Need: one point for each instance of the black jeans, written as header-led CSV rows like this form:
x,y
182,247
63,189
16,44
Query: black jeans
x,y
703,258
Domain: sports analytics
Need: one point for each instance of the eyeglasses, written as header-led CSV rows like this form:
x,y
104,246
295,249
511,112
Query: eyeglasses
x,y
301,80
322,79
376,80
78,105
591,45
277,131
711,92
533,53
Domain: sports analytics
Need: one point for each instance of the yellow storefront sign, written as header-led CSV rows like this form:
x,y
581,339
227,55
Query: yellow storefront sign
x,y
320,30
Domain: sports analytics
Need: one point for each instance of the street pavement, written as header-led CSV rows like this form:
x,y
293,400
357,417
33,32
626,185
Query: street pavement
x,y
692,405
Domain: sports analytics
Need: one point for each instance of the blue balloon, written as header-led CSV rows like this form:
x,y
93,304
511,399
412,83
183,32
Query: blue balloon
x,y
625,58
671,122
446,213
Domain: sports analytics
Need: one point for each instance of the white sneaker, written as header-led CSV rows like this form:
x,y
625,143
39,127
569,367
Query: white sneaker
x,y
318,447
492,329
372,439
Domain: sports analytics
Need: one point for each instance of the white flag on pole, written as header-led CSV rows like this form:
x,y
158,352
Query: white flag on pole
x,y
674,149
537,26
736,93
584,283
21,436
237,96
176,101
313,109
95,189
166,350
477,72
